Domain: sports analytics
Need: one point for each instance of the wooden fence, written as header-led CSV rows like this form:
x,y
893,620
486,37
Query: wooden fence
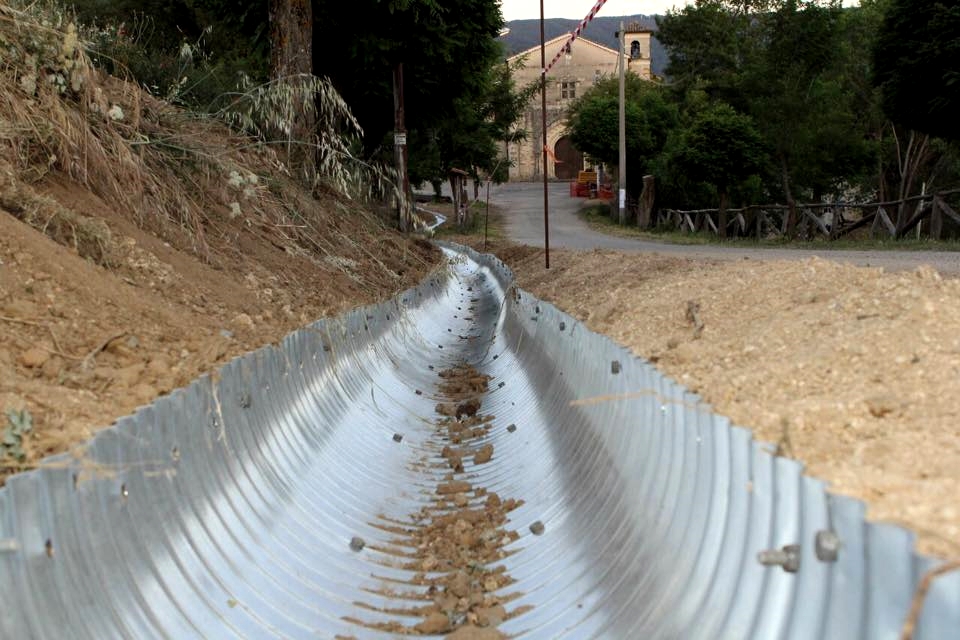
x,y
895,218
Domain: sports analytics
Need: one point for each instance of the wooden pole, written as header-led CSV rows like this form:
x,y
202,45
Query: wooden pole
x,y
647,197
936,219
400,148
622,169
923,192
486,216
543,118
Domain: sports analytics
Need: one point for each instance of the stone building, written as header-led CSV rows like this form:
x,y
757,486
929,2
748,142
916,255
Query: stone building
x,y
576,71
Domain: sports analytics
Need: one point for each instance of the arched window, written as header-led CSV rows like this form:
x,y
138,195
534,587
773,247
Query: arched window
x,y
634,49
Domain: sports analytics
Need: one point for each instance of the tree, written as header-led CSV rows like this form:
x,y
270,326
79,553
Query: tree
x,y
720,147
291,60
780,62
915,60
795,103
708,43
458,95
446,50
188,51
460,100
471,140
593,123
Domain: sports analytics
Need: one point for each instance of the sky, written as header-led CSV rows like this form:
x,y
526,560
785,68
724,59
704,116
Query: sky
x,y
578,9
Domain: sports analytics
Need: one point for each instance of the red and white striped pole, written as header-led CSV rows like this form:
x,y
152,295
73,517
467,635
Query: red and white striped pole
x,y
575,34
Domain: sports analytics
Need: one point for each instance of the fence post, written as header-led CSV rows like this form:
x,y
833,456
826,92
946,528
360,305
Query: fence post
x,y
936,219
646,202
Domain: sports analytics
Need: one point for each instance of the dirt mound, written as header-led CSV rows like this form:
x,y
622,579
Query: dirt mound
x,y
141,246
510,253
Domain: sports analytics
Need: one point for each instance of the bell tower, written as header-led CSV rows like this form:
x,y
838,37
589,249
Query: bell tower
x,y
637,43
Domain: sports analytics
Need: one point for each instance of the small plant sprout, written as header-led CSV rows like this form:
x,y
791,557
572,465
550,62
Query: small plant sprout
x,y
19,423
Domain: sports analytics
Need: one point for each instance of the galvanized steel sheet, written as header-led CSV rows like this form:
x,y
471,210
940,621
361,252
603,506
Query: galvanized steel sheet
x,y
226,509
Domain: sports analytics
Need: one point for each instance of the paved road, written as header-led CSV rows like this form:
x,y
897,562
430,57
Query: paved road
x,y
523,206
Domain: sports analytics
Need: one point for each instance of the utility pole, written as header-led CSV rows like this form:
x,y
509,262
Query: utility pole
x,y
543,118
400,149
622,169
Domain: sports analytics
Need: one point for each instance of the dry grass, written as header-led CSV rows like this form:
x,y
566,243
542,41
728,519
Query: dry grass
x,y
184,177
89,237
210,247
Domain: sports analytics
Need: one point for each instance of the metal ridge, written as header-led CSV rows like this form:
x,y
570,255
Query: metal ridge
x,y
227,508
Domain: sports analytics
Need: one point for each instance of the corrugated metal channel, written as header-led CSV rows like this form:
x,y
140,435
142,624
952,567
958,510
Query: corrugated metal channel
x,y
225,510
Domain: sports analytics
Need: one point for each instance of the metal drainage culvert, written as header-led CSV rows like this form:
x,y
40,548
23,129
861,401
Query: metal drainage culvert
x,y
465,457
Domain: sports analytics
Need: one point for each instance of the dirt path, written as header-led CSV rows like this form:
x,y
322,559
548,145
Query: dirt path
x,y
522,203
854,371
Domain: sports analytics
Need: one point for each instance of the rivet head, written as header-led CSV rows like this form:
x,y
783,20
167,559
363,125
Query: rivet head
x,y
357,544
9,545
827,545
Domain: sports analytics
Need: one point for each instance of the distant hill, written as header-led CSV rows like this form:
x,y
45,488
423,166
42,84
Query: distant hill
x,y
525,34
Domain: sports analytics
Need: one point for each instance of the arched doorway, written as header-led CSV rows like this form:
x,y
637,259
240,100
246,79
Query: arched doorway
x,y
568,162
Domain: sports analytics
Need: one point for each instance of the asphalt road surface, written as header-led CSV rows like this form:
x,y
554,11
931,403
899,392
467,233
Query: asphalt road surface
x,y
522,203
